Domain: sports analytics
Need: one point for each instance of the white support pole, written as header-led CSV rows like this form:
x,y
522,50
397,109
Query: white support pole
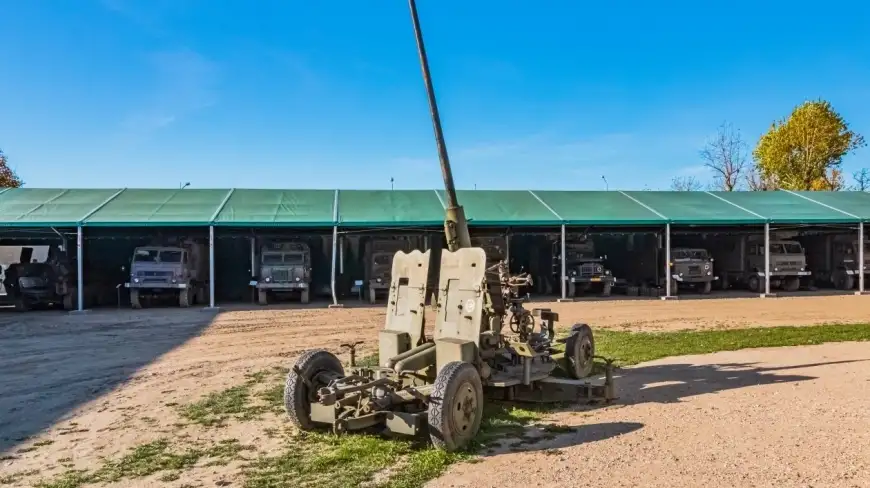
x,y
861,266
341,255
668,279
334,258
766,259
507,249
80,269
211,266
563,273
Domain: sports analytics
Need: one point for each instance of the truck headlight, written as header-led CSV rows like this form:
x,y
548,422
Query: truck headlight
x,y
298,279
574,273
380,280
599,269
268,279
135,280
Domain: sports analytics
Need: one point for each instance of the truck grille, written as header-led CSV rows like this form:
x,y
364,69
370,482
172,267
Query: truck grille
x,y
695,269
281,275
155,276
588,270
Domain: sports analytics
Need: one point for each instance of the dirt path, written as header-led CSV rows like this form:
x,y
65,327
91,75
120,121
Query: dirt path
x,y
98,384
784,417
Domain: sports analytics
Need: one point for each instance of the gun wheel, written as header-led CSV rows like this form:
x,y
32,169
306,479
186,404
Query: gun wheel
x,y
579,351
297,393
456,406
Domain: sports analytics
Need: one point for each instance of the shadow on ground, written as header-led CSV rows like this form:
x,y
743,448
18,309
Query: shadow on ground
x,y
51,363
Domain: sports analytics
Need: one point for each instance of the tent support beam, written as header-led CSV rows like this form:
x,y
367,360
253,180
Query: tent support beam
x,y
861,266
767,293
80,272
563,273
211,272
669,281
332,278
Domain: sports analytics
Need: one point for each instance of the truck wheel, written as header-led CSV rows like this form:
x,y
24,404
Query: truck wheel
x,y
262,297
184,297
372,296
68,302
297,395
572,289
21,305
303,297
134,299
707,288
843,281
754,283
675,287
605,290
791,284
723,282
456,406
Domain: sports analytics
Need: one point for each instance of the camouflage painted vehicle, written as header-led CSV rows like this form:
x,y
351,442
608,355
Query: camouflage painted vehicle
x,y
284,268
584,268
180,272
378,265
691,267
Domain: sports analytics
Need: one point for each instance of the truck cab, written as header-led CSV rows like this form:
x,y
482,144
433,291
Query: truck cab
x,y
691,267
168,271
379,265
585,269
284,269
788,263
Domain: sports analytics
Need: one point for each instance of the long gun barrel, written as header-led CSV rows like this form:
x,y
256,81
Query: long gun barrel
x,y
455,224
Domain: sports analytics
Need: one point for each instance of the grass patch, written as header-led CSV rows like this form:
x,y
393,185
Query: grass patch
x,y
148,459
238,402
630,348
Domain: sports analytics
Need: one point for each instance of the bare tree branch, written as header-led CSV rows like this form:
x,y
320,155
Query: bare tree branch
x,y
862,179
758,182
686,183
726,155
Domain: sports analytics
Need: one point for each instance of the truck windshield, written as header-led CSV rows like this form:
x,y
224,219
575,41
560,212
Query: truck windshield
x,y
690,254
579,256
793,248
170,256
294,259
145,256
272,259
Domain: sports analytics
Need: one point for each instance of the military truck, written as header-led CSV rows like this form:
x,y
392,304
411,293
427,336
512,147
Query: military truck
x,y
584,268
742,261
833,260
31,284
171,271
691,268
284,269
379,255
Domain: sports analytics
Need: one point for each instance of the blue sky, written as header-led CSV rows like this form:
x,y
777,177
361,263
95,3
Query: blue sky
x,y
292,94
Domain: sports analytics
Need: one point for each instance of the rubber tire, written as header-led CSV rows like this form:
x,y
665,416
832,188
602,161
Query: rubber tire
x,y
184,298
606,289
296,394
304,296
706,288
793,284
372,296
69,301
572,290
134,300
21,305
262,297
675,287
454,376
754,283
581,335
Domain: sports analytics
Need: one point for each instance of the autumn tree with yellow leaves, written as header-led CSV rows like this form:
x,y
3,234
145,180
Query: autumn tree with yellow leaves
x,y
8,178
805,150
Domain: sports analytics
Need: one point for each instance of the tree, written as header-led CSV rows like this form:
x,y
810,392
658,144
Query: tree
x,y
805,150
685,183
726,155
862,179
8,178
756,182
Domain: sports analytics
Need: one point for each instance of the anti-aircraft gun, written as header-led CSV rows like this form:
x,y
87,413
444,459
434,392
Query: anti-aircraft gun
x,y
484,342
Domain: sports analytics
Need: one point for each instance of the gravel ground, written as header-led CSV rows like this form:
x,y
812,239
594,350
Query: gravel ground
x,y
783,417
98,384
